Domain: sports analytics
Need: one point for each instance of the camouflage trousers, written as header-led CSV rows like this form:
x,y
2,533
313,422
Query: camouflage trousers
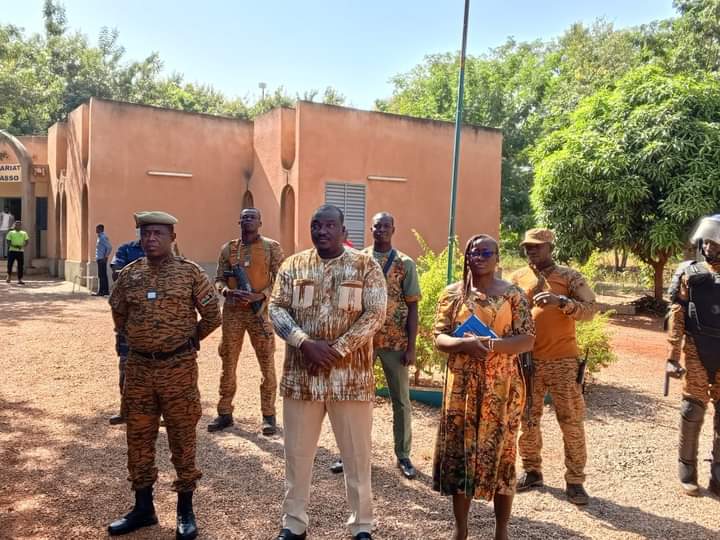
x,y
168,388
235,323
559,378
698,385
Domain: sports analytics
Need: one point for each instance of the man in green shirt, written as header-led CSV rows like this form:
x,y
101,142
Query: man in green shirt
x,y
16,241
394,343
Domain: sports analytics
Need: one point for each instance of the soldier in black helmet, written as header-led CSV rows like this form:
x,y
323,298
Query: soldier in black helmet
x,y
694,336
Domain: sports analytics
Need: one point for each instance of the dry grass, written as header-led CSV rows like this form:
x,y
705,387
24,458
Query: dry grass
x,y
63,466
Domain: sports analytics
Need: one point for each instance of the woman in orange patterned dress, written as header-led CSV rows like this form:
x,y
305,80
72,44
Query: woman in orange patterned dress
x,y
484,390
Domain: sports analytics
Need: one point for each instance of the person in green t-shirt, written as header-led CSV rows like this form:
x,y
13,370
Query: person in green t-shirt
x,y
16,241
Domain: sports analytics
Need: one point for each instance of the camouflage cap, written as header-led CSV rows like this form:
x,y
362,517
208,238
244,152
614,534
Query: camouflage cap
x,y
538,236
154,217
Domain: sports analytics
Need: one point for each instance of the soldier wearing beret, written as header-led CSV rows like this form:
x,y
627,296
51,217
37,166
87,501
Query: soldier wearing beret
x,y
559,296
154,305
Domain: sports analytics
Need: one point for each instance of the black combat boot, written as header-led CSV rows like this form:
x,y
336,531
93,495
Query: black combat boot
x,y
691,420
220,422
269,425
142,514
186,527
715,467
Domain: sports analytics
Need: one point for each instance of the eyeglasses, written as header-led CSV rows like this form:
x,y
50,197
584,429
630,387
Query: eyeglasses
x,y
484,253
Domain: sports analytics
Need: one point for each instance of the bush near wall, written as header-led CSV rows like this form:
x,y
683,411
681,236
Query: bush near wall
x,y
432,272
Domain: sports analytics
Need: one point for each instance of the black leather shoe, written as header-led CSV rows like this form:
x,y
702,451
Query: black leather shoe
x,y
337,467
529,480
142,515
269,425
221,422
287,534
362,536
576,494
186,526
407,468
116,419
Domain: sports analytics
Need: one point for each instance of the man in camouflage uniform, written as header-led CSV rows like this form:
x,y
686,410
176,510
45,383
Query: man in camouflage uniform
x,y
259,259
125,254
394,344
694,334
559,296
154,305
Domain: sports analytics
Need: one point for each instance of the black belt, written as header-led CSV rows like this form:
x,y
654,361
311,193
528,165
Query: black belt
x,y
164,355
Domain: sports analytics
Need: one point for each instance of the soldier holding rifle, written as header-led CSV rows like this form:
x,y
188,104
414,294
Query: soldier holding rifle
x,y
246,272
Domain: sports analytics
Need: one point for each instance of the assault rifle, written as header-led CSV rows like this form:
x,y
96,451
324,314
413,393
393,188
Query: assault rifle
x,y
238,272
582,366
527,371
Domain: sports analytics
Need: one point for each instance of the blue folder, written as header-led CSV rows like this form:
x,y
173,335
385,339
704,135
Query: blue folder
x,y
475,326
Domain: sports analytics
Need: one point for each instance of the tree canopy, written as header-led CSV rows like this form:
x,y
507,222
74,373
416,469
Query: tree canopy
x,y
45,76
635,167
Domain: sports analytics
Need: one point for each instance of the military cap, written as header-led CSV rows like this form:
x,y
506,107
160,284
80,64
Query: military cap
x,y
538,236
154,217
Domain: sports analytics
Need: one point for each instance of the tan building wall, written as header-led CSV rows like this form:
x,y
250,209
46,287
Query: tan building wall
x,y
111,159
347,145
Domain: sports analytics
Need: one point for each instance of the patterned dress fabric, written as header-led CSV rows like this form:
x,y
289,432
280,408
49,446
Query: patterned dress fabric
x,y
483,401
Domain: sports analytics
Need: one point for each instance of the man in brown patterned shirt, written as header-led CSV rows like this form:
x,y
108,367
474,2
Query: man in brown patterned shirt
x,y
559,296
694,335
327,304
259,258
154,305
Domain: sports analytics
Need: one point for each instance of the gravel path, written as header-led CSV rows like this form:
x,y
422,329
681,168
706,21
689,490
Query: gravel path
x,y
63,467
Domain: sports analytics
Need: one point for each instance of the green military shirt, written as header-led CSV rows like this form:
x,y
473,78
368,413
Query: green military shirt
x,y
403,286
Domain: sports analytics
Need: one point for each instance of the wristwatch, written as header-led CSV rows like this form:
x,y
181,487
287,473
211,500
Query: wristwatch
x,y
563,301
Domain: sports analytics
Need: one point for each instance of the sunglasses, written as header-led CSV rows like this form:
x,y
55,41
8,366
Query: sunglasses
x,y
484,253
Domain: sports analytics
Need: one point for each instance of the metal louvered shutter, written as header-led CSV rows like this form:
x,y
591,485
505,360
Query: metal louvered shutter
x,y
350,198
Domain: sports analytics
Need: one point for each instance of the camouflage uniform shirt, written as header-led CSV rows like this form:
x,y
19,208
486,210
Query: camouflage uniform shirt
x,y
555,326
341,301
261,261
155,306
402,287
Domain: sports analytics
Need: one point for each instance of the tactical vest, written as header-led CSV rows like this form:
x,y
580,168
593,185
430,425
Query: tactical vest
x,y
702,314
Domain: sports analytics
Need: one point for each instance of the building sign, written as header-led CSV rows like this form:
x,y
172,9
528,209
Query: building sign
x,y
10,172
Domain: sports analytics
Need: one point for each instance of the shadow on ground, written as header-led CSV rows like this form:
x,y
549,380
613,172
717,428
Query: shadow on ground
x,y
41,300
636,521
606,401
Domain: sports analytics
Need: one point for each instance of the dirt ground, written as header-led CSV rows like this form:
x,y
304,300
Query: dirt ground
x,y
64,476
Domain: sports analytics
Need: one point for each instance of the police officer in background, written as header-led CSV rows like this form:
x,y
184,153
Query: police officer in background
x,y
154,305
125,254
694,335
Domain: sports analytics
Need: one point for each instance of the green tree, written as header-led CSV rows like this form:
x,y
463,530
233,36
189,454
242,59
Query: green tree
x,y
47,76
503,89
635,167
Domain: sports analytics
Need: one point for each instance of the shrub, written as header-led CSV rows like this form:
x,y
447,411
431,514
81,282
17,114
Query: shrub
x,y
593,337
432,271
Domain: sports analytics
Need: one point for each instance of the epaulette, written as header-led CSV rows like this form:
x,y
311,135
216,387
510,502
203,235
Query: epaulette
x,y
129,265
188,261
